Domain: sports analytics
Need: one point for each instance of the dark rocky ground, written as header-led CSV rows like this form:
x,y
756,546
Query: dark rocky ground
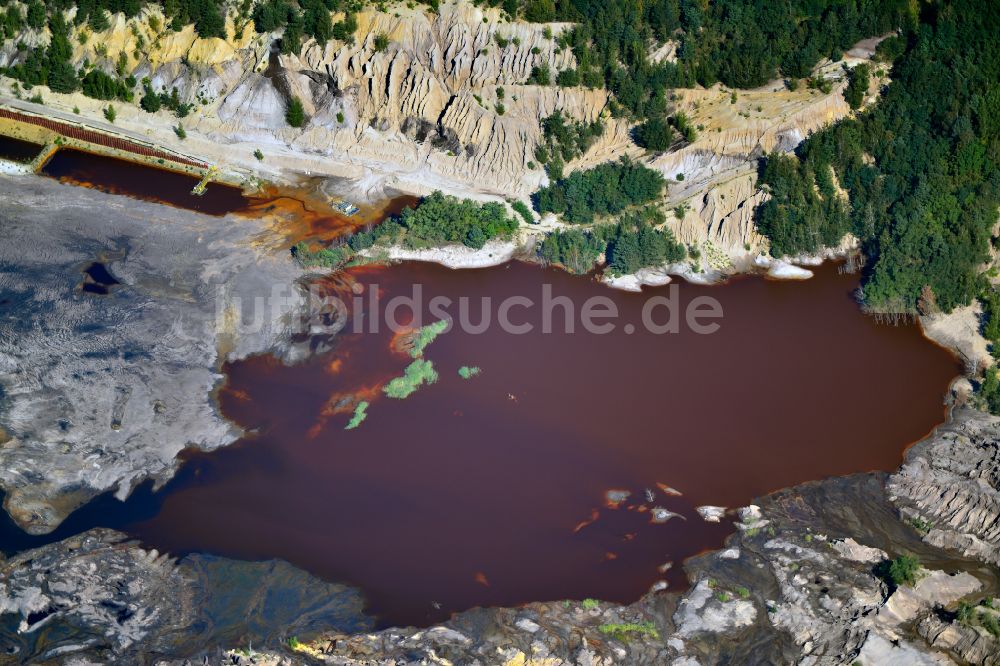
x,y
100,596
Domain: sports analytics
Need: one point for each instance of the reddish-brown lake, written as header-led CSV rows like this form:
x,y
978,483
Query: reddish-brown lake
x,y
473,492
109,174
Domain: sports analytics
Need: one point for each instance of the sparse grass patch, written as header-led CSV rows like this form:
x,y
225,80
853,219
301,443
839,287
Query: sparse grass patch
x,y
920,525
623,631
970,615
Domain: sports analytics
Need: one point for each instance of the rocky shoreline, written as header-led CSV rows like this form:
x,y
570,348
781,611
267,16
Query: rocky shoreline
x,y
796,583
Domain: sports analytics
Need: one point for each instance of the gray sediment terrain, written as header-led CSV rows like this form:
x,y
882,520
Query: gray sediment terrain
x,y
100,392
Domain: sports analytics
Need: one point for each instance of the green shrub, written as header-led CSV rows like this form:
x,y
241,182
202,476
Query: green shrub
x,y
857,86
521,209
295,114
565,138
99,85
633,243
654,134
608,188
540,75
150,102
900,571
330,257
990,623
920,525
574,249
682,123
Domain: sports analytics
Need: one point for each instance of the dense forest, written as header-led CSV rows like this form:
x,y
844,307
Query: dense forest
x,y
564,139
918,171
920,168
438,220
607,189
629,244
742,43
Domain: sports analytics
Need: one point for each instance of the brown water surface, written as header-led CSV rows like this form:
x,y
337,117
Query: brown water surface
x,y
490,491
109,174
296,212
18,150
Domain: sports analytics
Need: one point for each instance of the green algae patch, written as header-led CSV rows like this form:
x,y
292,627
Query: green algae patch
x,y
360,414
418,373
425,336
468,372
